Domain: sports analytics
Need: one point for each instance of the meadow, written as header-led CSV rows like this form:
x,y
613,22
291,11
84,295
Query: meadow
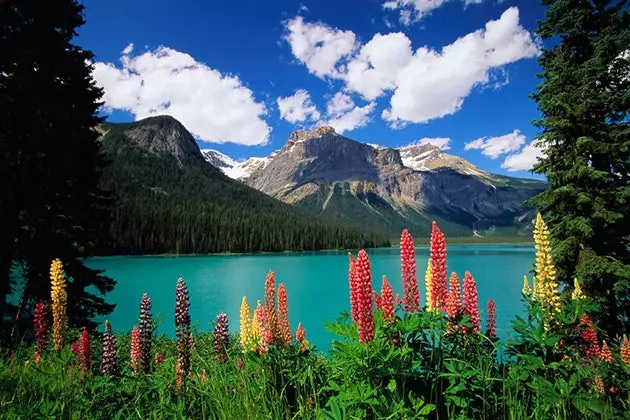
x,y
392,358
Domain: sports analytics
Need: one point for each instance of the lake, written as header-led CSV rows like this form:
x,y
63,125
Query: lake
x,y
317,283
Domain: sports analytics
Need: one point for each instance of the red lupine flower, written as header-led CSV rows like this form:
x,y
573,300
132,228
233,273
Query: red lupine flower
x,y
625,350
270,302
605,355
37,357
438,268
387,299
300,334
240,363
363,297
159,359
491,321
146,330
399,300
454,298
109,364
40,326
82,351
411,294
221,338
352,278
590,347
377,300
471,301
266,336
284,328
136,352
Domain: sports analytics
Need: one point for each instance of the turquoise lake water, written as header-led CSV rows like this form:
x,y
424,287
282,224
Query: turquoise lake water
x,y
317,283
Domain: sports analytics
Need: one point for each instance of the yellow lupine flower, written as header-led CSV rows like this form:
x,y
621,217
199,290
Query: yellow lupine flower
x,y
545,286
527,291
428,281
246,324
59,299
577,290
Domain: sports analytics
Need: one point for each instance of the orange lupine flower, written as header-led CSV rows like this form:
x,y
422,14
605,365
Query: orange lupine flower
x,y
270,302
454,298
605,355
625,350
136,353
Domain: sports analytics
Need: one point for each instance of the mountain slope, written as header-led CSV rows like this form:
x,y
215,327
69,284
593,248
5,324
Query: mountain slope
x,y
172,201
390,189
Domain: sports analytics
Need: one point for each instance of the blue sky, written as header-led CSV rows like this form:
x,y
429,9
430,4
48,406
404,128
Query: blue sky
x,y
242,75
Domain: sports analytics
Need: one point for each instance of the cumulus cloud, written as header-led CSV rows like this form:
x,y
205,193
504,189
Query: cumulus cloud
x,y
525,159
441,142
344,115
319,46
493,147
298,107
426,83
413,10
215,107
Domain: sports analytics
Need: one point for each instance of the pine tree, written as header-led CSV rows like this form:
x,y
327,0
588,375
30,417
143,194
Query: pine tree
x,y
50,159
584,97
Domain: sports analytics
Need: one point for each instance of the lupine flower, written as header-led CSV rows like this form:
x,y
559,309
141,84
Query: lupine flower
x,y
387,299
454,298
300,337
182,328
625,350
256,327
546,283
428,282
590,347
266,336
284,328
577,291
146,330
377,300
270,302
411,296
82,351
40,326
352,273
605,355
159,359
246,325
527,291
599,385
204,376
109,364
59,299
135,351
438,268
364,297
221,338
399,300
491,320
471,301
37,357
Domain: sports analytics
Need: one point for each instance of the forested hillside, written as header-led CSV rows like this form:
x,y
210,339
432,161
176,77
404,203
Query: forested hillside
x,y
171,201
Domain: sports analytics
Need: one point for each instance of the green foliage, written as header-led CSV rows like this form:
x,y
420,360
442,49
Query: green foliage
x,y
50,162
583,97
171,204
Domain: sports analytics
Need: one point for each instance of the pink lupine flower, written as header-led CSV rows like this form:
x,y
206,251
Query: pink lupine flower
x,y
40,326
454,298
364,297
411,294
491,321
387,299
284,328
471,301
438,268
146,330
354,312
221,338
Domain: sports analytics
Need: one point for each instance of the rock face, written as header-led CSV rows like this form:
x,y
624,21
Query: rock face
x,y
390,189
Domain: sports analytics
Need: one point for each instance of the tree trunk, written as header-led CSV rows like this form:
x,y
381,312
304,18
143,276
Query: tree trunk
x,y
20,310
5,281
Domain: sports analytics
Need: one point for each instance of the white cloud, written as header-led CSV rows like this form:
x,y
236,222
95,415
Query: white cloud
x,y
426,83
298,107
525,159
214,107
344,115
441,142
434,84
493,147
413,10
319,46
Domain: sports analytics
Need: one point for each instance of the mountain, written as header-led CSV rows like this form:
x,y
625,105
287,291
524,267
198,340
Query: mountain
x,y
389,189
170,200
